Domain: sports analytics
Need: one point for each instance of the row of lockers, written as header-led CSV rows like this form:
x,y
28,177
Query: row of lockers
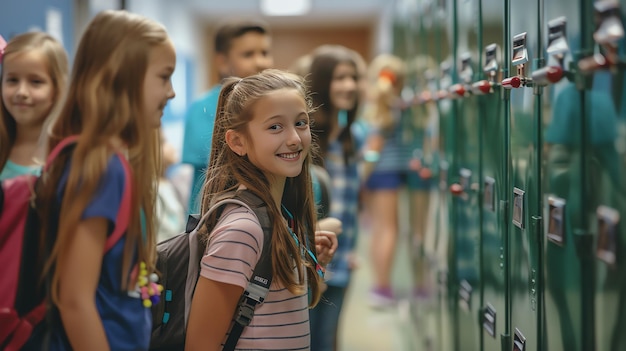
x,y
532,150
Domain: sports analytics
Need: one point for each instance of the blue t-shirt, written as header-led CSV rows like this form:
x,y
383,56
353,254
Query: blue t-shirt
x,y
199,122
127,323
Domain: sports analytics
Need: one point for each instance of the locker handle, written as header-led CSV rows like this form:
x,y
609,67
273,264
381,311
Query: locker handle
x,y
512,82
548,75
610,29
458,91
457,189
597,62
482,87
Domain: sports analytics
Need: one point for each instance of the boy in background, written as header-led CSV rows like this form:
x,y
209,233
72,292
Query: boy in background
x,y
241,48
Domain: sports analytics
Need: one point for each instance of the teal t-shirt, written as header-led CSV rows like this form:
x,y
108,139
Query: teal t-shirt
x,y
199,122
12,169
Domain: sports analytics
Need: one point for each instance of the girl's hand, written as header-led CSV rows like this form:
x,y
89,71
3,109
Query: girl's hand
x,y
325,245
330,224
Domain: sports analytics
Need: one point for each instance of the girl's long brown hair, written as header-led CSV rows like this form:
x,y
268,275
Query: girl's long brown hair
x,y
57,63
105,101
226,170
324,61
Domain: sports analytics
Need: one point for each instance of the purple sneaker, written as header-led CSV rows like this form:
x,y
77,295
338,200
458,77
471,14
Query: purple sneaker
x,y
381,298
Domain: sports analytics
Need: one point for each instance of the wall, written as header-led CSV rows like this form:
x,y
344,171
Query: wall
x,y
53,16
288,44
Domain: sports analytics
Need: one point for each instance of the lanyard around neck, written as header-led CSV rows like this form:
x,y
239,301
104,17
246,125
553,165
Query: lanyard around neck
x,y
290,225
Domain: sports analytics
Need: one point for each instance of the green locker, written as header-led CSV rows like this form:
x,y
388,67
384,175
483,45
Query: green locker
x,y
494,188
428,49
605,159
467,173
565,271
525,189
446,275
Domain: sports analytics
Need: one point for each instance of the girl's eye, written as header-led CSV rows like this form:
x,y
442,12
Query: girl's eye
x,y
302,123
275,127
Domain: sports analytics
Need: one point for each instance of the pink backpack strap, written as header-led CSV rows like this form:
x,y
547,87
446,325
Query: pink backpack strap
x,y
57,150
123,214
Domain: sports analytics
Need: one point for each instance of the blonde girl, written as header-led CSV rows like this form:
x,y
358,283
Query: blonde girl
x,y
120,84
33,82
388,152
262,143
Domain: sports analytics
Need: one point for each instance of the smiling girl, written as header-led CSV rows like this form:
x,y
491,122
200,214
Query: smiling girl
x,y
262,143
33,81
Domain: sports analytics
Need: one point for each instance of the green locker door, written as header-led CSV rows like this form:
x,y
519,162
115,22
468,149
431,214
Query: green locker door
x,y
467,173
562,201
605,109
526,221
427,44
494,189
445,14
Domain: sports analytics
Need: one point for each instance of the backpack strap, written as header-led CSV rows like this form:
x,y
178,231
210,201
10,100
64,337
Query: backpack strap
x,y
261,279
28,322
195,255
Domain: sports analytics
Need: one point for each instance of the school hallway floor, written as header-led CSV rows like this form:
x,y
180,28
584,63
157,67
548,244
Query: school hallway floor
x,y
407,326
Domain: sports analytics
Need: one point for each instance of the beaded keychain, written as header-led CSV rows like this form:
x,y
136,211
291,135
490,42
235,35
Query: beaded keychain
x,y
147,287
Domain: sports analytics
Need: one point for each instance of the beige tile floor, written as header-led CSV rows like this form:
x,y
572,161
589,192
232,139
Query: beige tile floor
x,y
402,328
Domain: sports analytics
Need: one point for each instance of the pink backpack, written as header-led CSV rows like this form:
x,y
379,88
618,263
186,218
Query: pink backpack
x,y
18,227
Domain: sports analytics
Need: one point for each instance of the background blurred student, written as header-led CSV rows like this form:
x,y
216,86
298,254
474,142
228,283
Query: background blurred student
x,y
389,151
33,83
242,48
334,83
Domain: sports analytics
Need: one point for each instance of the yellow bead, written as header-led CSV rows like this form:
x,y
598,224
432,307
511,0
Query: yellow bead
x,y
142,265
143,281
147,303
160,287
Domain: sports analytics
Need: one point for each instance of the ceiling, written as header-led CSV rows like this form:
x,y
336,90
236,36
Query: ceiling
x,y
323,12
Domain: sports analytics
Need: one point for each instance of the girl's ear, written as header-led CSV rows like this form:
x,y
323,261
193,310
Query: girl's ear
x,y
236,142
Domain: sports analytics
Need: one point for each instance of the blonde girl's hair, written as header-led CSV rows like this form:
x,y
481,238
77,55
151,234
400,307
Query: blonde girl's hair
x,y
57,64
419,69
226,170
386,76
105,101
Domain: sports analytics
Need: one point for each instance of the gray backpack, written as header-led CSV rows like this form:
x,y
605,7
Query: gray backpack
x,y
178,261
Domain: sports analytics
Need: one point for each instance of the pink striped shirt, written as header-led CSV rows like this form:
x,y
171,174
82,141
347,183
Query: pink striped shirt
x,y
282,321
